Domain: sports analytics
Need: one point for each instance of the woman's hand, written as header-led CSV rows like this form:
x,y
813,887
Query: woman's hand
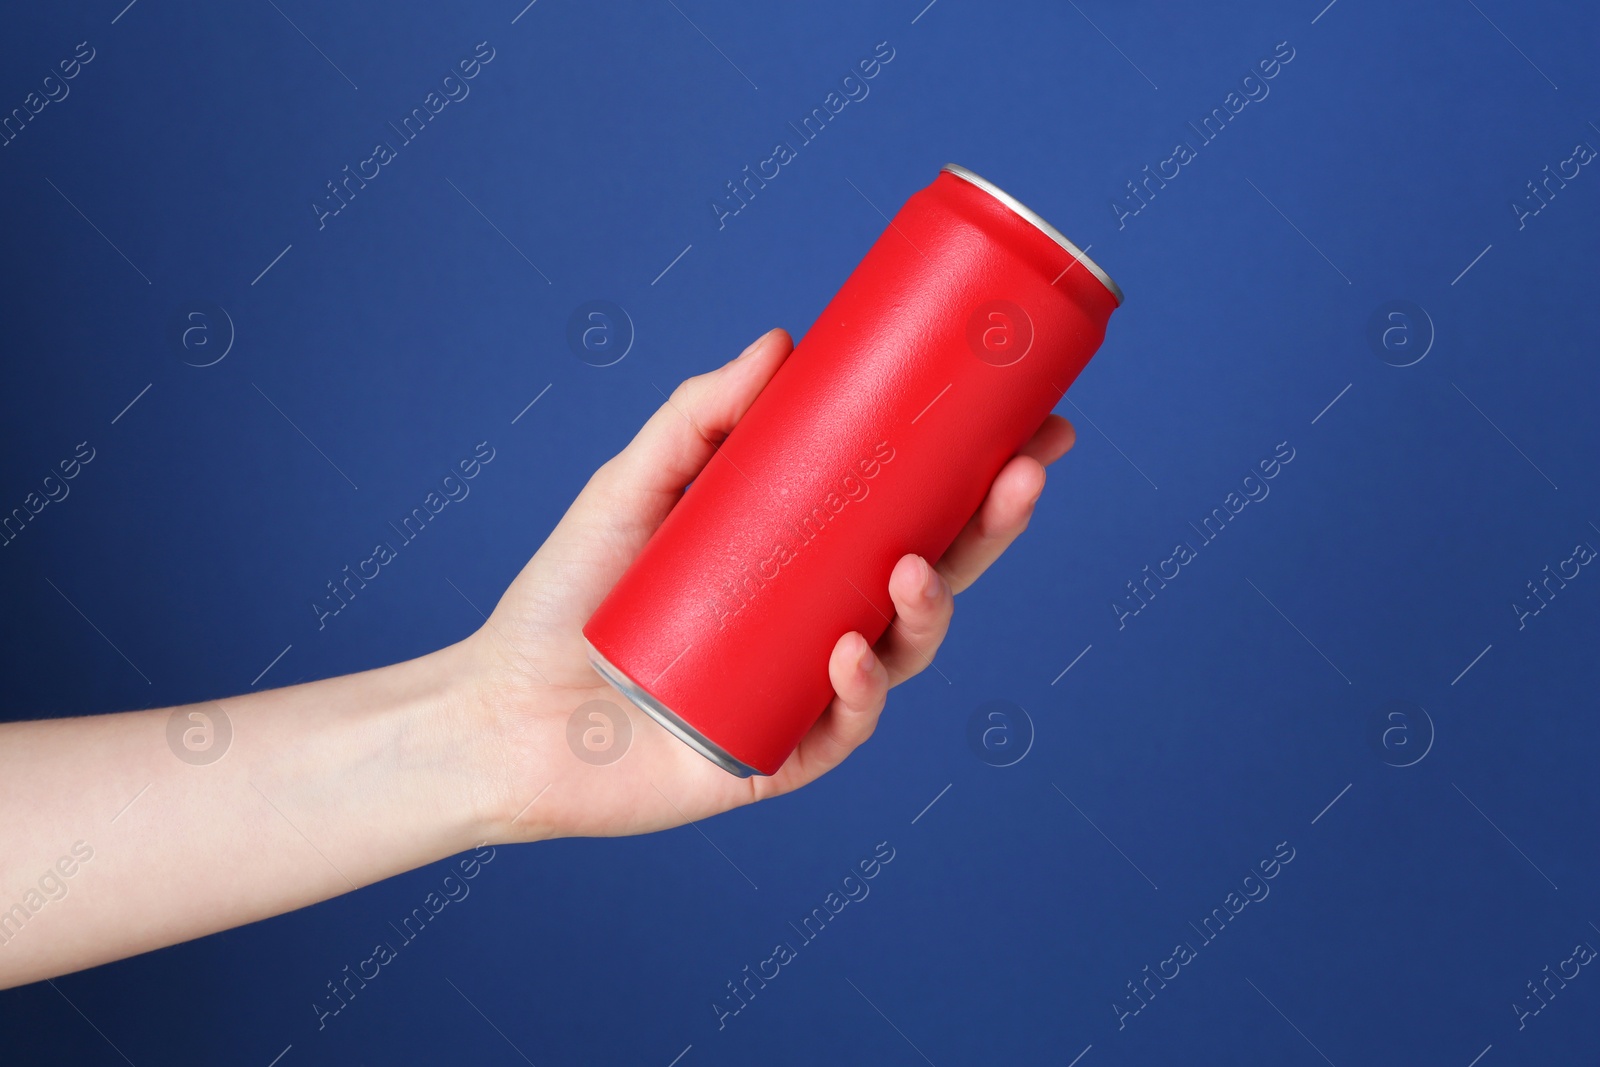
x,y
529,659
335,784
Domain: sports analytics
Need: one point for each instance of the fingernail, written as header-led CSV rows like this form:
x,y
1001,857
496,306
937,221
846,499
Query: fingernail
x,y
751,347
1037,495
932,582
864,657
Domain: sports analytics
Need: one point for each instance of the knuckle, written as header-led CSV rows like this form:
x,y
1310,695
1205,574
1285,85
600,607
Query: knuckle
x,y
685,391
601,476
606,476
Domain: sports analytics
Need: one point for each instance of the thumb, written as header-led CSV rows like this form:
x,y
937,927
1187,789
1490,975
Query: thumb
x,y
628,498
677,442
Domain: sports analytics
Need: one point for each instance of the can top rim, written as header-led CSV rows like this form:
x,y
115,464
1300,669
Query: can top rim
x,y
1033,218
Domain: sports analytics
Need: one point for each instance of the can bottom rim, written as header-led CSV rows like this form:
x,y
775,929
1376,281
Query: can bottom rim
x,y
664,715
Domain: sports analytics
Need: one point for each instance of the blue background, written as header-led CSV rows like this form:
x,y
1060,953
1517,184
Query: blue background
x,y
1176,753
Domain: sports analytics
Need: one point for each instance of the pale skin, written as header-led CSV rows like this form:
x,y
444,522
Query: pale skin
x,y
336,784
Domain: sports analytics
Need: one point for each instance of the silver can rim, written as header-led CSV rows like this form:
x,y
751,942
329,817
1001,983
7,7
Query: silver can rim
x,y
1037,221
675,724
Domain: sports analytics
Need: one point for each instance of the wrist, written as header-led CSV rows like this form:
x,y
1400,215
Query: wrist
x,y
444,752
491,717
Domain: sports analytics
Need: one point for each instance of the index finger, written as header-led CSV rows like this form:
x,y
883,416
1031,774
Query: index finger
x,y
1005,511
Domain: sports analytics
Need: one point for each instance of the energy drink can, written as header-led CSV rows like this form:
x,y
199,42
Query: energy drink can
x,y
939,357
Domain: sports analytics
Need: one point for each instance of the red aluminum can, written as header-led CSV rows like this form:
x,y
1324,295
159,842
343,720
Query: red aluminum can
x,y
939,357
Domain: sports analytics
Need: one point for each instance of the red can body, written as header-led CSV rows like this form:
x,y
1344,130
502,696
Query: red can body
x,y
880,435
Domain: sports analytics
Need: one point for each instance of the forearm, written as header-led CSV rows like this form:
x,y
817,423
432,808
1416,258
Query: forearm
x,y
323,788
334,785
